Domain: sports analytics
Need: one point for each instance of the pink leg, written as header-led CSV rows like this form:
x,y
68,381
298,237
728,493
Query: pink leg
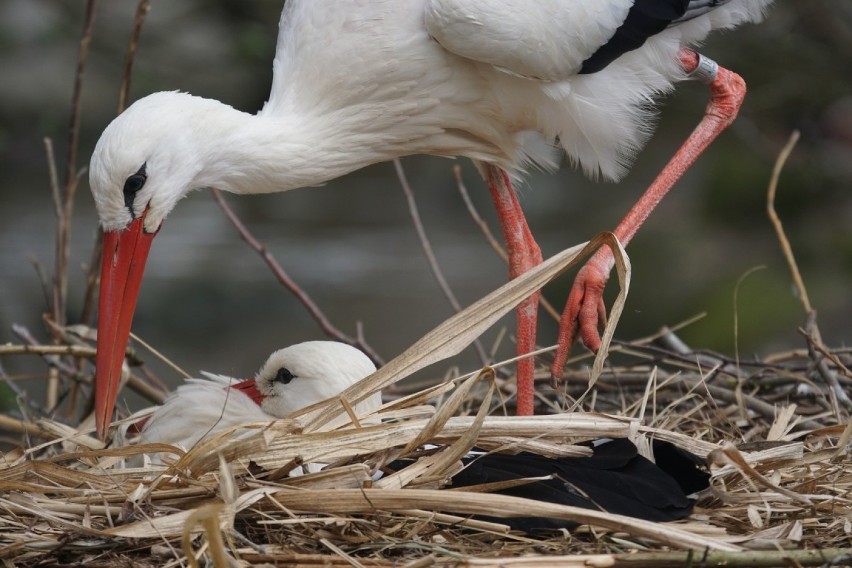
x,y
585,309
524,254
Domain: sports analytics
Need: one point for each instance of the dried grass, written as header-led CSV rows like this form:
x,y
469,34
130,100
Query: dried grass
x,y
229,501
776,434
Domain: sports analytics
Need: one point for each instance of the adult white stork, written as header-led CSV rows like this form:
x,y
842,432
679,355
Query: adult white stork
x,y
360,82
614,478
290,379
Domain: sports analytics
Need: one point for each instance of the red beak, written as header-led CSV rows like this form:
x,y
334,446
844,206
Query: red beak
x,y
124,256
249,388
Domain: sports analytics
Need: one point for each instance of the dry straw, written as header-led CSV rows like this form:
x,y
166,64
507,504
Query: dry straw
x,y
779,453
229,500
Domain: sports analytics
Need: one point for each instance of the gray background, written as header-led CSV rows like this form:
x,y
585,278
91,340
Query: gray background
x,y
210,303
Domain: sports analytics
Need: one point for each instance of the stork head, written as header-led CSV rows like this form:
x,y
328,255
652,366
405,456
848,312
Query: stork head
x,y
310,372
146,160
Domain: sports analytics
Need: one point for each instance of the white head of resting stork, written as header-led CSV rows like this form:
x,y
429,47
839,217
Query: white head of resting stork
x,y
291,378
355,83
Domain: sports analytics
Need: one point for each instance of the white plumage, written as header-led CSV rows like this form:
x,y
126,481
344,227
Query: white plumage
x,y
357,82
360,82
203,407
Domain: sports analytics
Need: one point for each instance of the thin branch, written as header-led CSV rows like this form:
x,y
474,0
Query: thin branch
x,y
20,394
159,355
93,276
489,236
130,56
52,353
76,99
92,273
23,427
42,279
72,175
55,192
51,359
811,330
60,279
776,221
477,218
815,349
316,313
37,349
430,254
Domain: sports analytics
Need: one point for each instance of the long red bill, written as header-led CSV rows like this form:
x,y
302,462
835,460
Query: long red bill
x,y
124,256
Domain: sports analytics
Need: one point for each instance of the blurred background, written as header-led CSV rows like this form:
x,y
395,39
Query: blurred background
x,y
209,302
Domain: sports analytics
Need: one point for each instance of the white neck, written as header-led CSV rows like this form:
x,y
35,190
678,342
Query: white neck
x,y
248,154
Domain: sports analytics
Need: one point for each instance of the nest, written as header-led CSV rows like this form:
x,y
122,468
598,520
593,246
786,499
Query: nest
x,y
774,434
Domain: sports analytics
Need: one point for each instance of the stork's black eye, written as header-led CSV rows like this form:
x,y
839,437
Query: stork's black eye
x,y
283,376
132,185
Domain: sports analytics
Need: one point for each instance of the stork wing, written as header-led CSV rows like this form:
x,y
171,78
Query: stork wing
x,y
556,39
332,53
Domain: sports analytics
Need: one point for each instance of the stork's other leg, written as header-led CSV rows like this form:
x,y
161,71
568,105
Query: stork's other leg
x,y
585,310
524,254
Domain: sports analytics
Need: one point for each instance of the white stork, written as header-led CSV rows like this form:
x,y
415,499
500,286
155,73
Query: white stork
x,y
290,379
360,82
614,478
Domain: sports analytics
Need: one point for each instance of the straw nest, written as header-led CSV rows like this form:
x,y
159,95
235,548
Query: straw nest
x,y
776,441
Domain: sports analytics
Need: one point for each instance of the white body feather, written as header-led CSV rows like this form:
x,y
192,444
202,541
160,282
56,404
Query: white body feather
x,y
362,81
204,407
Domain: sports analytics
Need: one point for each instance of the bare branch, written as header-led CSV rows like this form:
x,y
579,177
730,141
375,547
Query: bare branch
x,y
811,331
430,254
130,56
776,221
76,99
489,236
477,218
71,173
92,274
316,313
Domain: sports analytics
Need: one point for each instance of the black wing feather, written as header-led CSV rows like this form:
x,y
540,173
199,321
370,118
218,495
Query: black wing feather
x,y
646,18
614,479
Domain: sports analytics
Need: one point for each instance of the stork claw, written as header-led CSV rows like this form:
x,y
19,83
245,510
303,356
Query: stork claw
x,y
584,314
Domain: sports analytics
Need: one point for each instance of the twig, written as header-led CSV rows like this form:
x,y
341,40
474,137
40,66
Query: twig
x,y
130,56
71,174
50,359
23,427
489,236
776,221
737,287
430,254
51,354
35,349
92,279
634,559
811,330
92,274
477,218
76,99
42,279
316,313
20,394
54,177
838,394
159,355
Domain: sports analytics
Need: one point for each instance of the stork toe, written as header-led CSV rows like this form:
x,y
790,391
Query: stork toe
x,y
584,315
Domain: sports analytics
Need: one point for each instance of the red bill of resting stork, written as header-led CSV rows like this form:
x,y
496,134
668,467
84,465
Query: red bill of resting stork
x,y
291,378
355,83
614,478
